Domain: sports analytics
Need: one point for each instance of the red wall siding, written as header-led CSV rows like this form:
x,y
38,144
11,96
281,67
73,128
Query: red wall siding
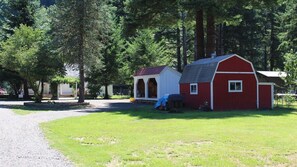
x,y
195,101
265,96
235,64
223,100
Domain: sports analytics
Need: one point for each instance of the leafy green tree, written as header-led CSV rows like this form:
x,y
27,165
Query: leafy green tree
x,y
290,68
25,52
12,81
94,83
289,26
12,15
56,80
77,30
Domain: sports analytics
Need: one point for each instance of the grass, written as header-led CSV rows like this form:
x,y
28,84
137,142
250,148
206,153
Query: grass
x,y
24,110
120,97
116,97
145,137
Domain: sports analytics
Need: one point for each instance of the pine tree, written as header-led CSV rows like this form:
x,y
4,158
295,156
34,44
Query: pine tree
x,y
77,30
17,12
106,72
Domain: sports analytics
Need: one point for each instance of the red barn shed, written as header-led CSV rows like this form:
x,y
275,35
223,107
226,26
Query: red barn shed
x,y
226,82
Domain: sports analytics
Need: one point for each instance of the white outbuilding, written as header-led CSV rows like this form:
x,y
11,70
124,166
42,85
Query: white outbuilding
x,y
154,82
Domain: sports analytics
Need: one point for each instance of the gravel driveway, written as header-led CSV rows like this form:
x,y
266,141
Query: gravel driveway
x,y
22,142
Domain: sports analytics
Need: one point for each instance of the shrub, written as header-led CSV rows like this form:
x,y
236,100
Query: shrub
x,y
289,99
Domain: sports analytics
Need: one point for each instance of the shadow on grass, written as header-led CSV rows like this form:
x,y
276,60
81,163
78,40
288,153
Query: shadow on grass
x,y
33,108
147,112
14,99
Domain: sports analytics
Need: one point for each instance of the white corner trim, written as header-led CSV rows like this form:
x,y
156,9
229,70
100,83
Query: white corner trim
x,y
272,96
211,95
194,93
211,87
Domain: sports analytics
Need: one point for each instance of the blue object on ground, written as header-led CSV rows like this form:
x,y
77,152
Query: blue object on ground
x,y
162,102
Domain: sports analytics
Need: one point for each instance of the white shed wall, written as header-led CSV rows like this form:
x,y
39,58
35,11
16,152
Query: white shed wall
x,y
145,79
169,82
65,89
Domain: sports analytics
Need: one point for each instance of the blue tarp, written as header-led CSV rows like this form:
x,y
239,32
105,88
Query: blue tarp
x,y
162,101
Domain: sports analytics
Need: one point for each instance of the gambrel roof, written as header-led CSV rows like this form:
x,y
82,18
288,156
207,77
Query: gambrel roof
x,y
202,70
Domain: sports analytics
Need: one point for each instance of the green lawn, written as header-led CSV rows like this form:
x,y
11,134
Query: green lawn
x,y
24,110
120,97
145,137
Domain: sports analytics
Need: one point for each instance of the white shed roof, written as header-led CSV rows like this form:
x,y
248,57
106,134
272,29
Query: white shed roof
x,y
273,74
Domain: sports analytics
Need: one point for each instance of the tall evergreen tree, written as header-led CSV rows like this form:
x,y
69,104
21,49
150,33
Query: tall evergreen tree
x,y
162,16
77,30
17,12
106,72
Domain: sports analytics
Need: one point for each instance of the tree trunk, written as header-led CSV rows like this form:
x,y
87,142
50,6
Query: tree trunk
x,y
54,91
81,65
265,58
199,29
273,46
195,46
41,91
26,90
220,43
35,89
81,98
211,33
132,90
185,62
15,90
106,96
178,53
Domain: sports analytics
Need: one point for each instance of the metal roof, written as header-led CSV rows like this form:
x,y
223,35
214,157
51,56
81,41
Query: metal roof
x,y
273,74
212,60
202,70
149,71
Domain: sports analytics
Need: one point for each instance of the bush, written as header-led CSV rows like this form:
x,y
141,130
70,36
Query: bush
x,y
289,99
94,90
205,106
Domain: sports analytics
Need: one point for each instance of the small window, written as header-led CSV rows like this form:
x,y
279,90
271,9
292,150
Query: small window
x,y
235,86
193,89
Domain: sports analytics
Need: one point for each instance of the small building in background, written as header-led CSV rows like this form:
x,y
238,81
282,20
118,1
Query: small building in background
x,y
154,82
276,77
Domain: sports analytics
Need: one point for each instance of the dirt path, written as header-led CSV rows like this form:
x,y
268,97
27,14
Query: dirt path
x,y
22,142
